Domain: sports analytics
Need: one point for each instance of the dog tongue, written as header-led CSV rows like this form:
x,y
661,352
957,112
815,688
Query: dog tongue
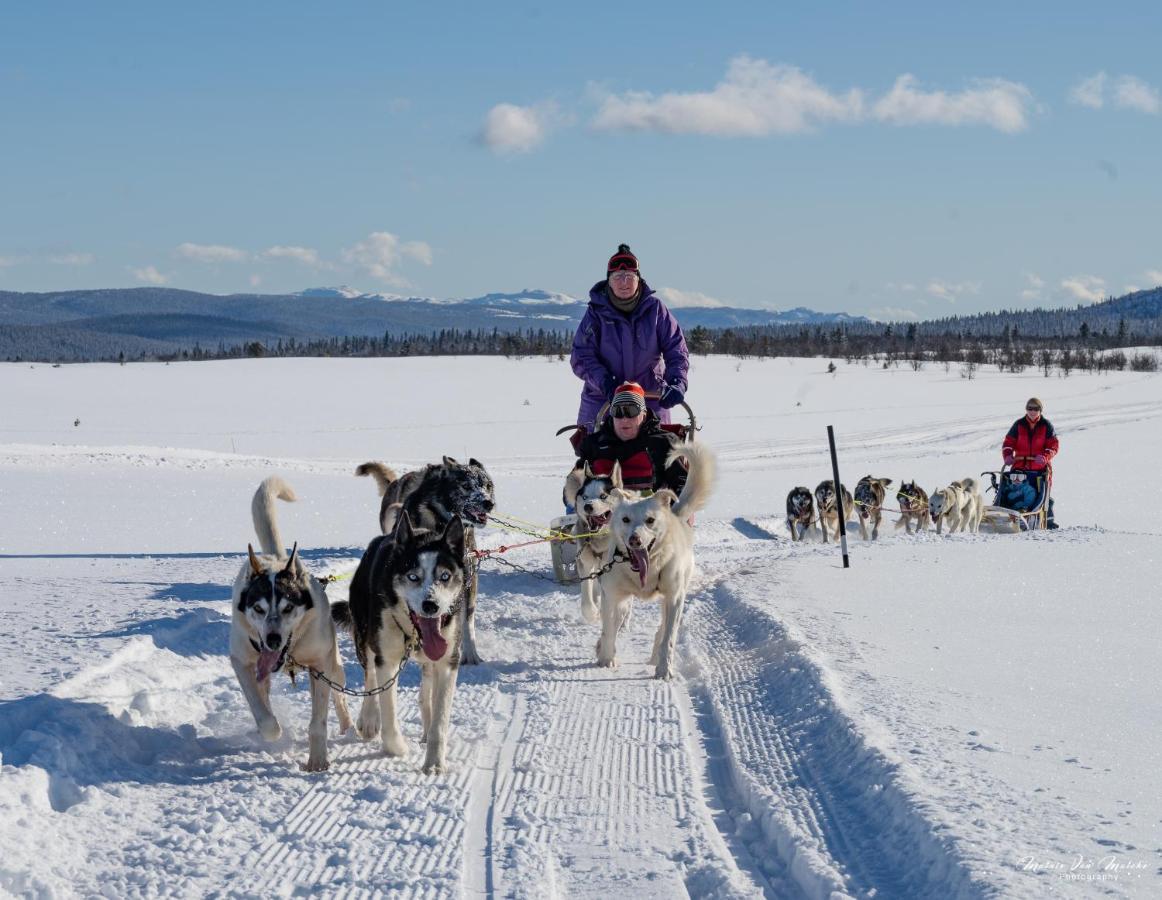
x,y
639,561
433,642
267,660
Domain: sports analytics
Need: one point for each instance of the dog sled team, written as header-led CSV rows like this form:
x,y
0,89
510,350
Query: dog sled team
x,y
1022,491
632,495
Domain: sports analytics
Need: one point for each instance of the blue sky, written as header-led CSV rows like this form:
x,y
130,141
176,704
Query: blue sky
x,y
902,162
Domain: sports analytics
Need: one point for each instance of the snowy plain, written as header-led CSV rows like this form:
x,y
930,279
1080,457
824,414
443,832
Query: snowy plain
x,y
953,716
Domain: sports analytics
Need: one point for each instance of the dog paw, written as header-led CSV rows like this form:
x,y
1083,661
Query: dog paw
x,y
368,726
436,767
270,729
395,745
316,765
607,662
664,672
469,657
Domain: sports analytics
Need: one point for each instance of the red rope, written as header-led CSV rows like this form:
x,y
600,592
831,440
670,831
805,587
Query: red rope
x,y
481,554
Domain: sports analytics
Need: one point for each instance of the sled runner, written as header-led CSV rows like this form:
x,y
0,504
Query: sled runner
x,y
1020,501
565,552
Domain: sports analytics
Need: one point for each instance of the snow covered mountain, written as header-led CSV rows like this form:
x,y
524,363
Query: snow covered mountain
x,y
81,324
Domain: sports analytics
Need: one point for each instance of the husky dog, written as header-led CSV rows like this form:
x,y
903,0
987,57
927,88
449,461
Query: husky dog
x,y
869,501
960,504
280,614
590,495
800,512
655,535
825,500
913,502
409,588
432,496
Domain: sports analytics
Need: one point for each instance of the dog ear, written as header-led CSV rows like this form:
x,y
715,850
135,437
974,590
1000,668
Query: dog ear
x,y
255,566
618,495
449,461
588,469
887,482
454,535
474,463
615,475
290,563
667,496
403,528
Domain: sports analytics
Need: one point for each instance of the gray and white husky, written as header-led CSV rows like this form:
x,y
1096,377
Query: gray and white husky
x,y
825,501
432,496
656,539
409,588
280,614
869,501
913,501
800,512
591,495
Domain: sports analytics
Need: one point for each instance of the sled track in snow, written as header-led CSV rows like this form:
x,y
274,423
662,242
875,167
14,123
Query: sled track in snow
x,y
834,814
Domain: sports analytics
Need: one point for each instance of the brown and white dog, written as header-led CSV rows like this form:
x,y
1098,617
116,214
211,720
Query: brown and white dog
x,y
825,500
281,617
652,542
869,502
800,512
913,501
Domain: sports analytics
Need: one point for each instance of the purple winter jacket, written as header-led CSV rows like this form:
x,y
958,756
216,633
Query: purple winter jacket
x,y
646,346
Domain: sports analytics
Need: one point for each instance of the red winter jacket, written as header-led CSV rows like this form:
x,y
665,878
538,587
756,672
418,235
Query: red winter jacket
x,y
1029,441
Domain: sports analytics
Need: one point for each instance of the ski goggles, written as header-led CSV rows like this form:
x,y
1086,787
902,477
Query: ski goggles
x,y
623,275
627,411
623,264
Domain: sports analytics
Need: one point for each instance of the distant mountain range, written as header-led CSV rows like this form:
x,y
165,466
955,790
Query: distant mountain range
x,y
152,321
88,323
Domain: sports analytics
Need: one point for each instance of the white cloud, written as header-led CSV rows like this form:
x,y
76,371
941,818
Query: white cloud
x,y
9,261
677,299
71,259
515,129
1134,93
147,274
211,253
1090,91
905,287
1086,288
1130,289
995,102
381,252
1128,92
1154,276
951,291
1033,286
306,255
755,98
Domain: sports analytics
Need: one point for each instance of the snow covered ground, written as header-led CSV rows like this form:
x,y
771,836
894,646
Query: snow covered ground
x,y
953,716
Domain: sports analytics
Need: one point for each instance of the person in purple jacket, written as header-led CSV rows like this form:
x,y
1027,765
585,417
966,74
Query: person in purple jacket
x,y
628,334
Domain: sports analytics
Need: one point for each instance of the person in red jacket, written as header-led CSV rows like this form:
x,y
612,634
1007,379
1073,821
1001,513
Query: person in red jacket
x,y
1031,445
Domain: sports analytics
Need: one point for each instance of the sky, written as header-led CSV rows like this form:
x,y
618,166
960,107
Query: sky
x,y
902,162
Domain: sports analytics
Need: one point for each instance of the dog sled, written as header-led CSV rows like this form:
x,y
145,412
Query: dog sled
x,y
565,551
1020,500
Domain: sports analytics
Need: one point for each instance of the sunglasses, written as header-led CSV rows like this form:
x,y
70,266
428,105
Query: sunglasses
x,y
627,411
1032,409
623,275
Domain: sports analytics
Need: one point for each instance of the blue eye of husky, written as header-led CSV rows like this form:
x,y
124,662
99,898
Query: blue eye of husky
x,y
413,577
444,576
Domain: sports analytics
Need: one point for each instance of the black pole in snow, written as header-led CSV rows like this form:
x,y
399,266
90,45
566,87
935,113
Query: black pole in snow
x,y
838,497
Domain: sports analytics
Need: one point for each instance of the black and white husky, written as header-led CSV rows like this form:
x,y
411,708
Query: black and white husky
x,y
281,613
410,588
800,512
913,501
432,497
655,540
591,496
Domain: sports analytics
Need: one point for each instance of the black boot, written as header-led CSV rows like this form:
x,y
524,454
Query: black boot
x,y
1049,523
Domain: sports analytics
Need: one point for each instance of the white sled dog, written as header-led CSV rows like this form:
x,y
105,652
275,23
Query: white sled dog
x,y
281,617
591,496
655,541
960,504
